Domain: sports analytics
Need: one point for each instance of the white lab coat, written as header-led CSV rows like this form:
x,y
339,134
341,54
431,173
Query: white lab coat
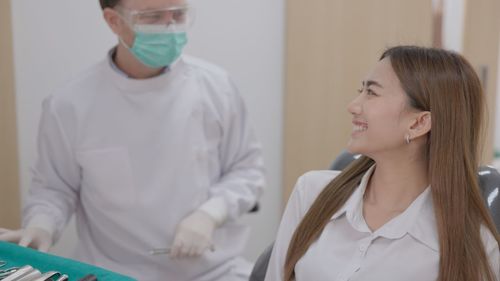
x,y
131,158
405,248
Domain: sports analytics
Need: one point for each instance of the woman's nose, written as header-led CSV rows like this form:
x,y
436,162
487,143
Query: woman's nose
x,y
354,106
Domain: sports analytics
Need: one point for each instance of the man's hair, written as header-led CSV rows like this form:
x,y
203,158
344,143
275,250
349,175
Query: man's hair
x,y
108,3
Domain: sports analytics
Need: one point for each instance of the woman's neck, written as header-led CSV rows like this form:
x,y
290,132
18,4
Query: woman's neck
x,y
394,185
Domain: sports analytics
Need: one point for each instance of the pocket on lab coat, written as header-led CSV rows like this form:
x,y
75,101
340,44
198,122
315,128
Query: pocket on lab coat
x,y
107,177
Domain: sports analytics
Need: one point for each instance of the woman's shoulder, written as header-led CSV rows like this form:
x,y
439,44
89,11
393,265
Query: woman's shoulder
x,y
310,185
492,250
489,240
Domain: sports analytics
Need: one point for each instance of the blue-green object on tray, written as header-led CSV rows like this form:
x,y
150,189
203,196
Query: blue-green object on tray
x,y
15,255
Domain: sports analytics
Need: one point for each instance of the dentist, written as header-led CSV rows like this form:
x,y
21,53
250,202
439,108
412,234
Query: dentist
x,y
149,148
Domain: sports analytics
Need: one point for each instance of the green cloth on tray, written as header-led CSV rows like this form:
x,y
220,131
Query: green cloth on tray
x,y
18,256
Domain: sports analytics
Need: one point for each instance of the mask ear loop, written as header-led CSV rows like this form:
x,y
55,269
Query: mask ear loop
x,y
120,39
123,43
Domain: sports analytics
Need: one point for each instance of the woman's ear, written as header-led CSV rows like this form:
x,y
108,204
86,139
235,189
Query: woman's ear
x,y
421,124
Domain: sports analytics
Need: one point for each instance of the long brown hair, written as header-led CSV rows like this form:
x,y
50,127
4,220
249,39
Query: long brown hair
x,y
445,84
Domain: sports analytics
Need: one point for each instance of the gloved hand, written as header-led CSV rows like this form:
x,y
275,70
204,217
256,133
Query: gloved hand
x,y
194,235
33,237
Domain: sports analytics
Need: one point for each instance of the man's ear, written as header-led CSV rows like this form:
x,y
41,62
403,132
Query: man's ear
x,y
113,19
421,124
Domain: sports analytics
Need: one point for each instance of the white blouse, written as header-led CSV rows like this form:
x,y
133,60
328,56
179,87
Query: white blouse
x,y
405,248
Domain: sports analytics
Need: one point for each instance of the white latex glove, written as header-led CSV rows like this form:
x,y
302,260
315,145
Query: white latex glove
x,y
33,237
194,235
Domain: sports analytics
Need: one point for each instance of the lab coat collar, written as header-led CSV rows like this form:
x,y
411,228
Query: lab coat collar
x,y
418,220
127,84
111,55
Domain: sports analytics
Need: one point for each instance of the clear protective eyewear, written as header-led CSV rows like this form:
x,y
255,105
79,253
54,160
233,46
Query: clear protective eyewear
x,y
171,19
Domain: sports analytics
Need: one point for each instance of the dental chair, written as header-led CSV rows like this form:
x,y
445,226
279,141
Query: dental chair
x,y
489,182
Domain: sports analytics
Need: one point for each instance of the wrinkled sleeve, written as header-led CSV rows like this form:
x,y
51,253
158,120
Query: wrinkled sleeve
x,y
242,177
289,222
494,257
55,177
492,250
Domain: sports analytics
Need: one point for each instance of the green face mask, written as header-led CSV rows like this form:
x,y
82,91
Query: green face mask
x,y
159,49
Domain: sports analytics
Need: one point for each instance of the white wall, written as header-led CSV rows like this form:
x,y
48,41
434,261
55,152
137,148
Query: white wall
x,y
453,24
56,39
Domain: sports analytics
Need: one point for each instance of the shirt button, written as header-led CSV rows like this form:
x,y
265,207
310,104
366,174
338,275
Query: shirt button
x,y
363,247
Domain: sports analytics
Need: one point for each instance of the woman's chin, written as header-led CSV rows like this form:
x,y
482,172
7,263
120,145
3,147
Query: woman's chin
x,y
353,147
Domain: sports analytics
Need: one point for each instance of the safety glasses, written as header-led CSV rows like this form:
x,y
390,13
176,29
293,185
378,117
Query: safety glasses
x,y
171,19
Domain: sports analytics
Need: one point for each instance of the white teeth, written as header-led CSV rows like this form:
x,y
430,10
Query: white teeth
x,y
359,128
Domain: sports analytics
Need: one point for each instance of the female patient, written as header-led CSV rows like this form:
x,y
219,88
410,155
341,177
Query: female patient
x,y
410,208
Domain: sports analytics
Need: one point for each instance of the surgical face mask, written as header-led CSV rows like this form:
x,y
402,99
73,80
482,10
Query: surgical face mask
x,y
160,35
157,49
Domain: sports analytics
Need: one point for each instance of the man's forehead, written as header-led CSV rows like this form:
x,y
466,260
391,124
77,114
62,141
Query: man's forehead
x,y
152,4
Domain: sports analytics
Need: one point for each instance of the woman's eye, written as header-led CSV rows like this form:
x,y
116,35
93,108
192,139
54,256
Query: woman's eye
x,y
370,92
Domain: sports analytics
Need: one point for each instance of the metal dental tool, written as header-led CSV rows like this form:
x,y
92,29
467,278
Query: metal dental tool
x,y
23,271
159,251
63,277
166,251
47,276
6,272
32,275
